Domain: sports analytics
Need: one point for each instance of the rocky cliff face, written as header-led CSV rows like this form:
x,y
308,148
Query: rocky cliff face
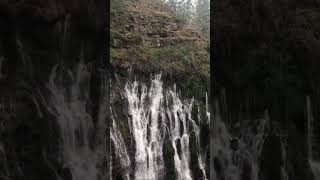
x,y
35,36
147,39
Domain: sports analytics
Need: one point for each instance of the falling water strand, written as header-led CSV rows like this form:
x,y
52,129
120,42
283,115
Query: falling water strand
x,y
234,156
120,149
156,114
315,165
179,113
284,144
310,127
82,141
201,152
207,108
148,155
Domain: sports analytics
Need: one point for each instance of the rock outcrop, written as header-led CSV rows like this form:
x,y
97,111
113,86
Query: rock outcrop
x,y
146,36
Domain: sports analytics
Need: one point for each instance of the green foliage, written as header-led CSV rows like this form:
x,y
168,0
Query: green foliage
x,y
187,61
184,57
118,16
195,86
181,59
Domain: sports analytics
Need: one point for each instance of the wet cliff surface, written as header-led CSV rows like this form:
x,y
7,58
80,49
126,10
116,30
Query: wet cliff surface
x,y
158,96
266,58
35,37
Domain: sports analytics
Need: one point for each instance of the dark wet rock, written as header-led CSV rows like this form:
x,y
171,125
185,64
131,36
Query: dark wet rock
x,y
271,159
234,143
36,35
265,57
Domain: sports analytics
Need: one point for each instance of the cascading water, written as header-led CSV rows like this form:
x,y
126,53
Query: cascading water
x,y
284,144
180,112
201,152
145,128
236,157
156,115
120,149
315,165
82,139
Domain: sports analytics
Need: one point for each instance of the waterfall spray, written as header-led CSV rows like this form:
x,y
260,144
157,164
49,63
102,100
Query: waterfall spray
x,y
81,140
315,165
120,149
232,155
180,113
156,114
148,155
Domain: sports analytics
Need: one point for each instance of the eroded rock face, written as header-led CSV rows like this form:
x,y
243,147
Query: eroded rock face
x,y
145,35
36,35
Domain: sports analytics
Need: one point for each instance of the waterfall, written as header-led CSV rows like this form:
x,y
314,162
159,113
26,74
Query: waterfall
x,y
180,112
145,127
157,115
201,153
120,149
284,144
82,139
315,165
237,157
310,127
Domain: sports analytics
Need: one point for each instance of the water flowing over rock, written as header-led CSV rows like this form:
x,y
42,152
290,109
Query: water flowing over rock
x,y
157,115
50,134
237,157
314,164
121,150
82,148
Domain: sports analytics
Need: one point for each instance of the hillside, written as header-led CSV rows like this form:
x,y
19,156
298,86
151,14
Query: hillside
x,y
146,37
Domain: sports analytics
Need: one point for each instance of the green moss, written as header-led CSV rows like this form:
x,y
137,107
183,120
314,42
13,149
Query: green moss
x,y
119,17
118,54
181,58
115,33
132,37
187,62
195,86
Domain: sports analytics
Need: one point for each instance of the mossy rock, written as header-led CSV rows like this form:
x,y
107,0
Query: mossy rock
x,y
163,33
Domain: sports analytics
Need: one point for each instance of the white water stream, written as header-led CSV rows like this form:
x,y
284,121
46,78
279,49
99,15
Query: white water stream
x,y
82,148
236,156
155,114
314,164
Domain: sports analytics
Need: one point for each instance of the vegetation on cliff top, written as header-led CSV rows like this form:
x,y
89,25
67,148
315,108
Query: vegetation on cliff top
x,y
148,37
